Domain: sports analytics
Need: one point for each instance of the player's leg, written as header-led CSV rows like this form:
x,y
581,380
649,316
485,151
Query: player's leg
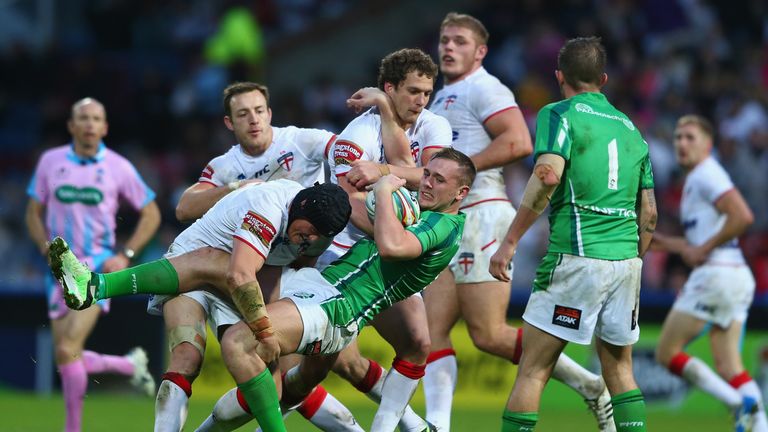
x,y
440,375
540,353
678,329
628,403
404,326
69,334
181,273
725,343
186,334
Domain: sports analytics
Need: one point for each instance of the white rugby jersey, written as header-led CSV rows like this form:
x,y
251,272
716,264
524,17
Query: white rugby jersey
x,y
257,214
295,153
361,140
468,104
701,220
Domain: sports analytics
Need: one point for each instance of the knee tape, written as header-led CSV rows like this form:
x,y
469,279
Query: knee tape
x,y
194,335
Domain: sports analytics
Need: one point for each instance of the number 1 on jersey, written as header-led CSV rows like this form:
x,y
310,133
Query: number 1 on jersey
x,y
613,165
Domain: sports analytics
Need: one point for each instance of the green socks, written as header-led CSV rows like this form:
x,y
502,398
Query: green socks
x,y
629,411
261,394
518,422
156,277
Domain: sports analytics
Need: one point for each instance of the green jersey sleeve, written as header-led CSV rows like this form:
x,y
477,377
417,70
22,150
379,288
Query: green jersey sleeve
x,y
646,174
553,134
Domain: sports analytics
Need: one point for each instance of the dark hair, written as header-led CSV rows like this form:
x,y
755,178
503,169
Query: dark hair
x,y
395,66
582,61
326,206
468,22
704,125
240,88
468,170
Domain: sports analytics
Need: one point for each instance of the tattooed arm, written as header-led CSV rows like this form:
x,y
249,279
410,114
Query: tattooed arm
x,y
646,219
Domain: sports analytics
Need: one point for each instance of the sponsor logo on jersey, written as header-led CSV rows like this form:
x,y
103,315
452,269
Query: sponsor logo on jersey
x,y
303,295
586,109
466,259
454,135
69,194
259,226
689,223
567,317
345,152
414,151
262,171
286,160
207,172
313,348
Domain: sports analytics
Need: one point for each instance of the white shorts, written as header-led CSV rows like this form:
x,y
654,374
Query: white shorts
x,y
486,225
178,247
719,294
307,289
575,297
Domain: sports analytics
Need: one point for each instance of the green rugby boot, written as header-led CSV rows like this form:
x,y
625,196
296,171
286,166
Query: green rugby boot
x,y
74,276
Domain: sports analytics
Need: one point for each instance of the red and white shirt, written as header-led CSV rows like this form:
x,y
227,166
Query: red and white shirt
x,y
468,104
256,214
295,153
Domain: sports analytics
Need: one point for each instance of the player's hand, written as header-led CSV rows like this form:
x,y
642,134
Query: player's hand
x,y
388,184
694,256
499,267
367,97
268,349
363,173
117,262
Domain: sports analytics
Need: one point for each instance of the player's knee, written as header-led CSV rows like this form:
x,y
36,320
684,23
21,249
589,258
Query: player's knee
x,y
352,369
187,346
484,339
663,355
417,350
233,346
66,352
186,359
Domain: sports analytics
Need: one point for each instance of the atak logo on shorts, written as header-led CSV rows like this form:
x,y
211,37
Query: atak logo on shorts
x,y
285,161
259,226
313,348
567,317
466,259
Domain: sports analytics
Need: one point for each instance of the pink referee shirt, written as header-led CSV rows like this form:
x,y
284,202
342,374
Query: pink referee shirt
x,y
82,198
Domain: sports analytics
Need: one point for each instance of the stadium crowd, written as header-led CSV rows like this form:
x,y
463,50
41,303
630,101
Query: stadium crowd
x,y
162,83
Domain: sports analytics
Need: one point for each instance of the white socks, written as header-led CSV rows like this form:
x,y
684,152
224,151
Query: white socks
x,y
439,385
170,407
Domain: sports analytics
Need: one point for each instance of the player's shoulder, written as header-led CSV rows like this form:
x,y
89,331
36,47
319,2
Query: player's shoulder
x,y
58,152
483,79
366,123
708,169
430,119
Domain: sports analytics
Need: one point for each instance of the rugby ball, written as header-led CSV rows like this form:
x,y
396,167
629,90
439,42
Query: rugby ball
x,y
405,203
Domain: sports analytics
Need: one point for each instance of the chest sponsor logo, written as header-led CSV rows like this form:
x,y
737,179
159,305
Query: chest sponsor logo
x,y
303,295
454,135
260,227
261,172
466,259
207,172
69,194
414,151
689,223
286,160
345,152
567,317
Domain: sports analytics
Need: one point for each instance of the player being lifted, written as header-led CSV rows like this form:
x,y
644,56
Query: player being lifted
x,y
720,288
263,152
368,279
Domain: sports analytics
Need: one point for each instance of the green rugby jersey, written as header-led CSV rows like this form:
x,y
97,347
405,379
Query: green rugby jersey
x,y
593,210
369,284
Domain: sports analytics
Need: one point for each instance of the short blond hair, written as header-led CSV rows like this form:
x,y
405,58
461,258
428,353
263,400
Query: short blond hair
x,y
467,21
704,125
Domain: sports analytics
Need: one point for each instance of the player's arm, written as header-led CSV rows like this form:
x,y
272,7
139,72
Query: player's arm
x,y
245,291
392,240
359,216
397,148
738,217
511,140
647,215
35,225
668,243
201,196
541,185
